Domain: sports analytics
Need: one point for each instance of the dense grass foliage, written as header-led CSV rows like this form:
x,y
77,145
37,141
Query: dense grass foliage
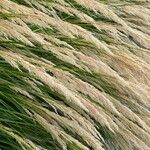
x,y
74,75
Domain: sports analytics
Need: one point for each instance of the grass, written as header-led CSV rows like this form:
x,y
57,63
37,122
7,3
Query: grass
x,y
25,95
7,16
13,114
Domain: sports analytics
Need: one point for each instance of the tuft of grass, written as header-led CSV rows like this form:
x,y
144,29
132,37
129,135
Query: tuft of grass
x,y
29,107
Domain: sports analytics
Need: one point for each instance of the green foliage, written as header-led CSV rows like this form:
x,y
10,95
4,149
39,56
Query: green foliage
x,y
8,15
13,111
22,2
